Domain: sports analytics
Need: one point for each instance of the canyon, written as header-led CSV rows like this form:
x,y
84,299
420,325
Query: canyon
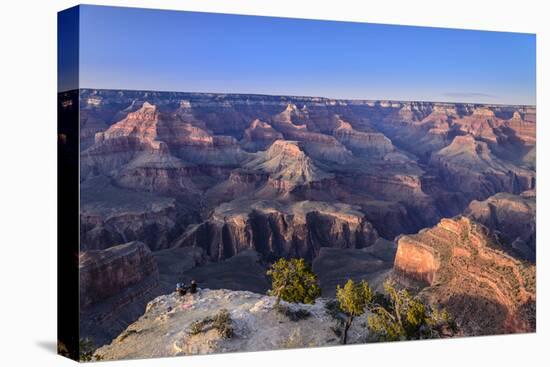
x,y
179,186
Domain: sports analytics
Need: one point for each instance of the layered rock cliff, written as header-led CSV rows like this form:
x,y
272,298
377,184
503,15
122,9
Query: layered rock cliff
x,y
371,144
150,145
110,216
468,165
259,136
460,265
512,217
287,165
104,273
276,230
293,124
115,284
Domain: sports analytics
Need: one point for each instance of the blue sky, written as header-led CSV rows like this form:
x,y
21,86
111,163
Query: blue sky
x,y
125,48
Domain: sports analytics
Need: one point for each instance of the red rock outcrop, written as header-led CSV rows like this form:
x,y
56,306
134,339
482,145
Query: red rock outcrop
x,y
259,136
524,129
480,124
415,261
287,165
319,146
151,142
291,118
122,142
141,124
459,264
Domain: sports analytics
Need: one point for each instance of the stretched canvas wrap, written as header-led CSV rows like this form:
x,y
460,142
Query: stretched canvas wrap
x,y
234,183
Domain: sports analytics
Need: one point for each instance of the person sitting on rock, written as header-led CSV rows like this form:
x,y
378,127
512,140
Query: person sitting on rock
x,y
193,287
180,289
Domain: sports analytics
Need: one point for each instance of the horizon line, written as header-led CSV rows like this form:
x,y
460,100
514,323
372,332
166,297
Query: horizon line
x,y
302,96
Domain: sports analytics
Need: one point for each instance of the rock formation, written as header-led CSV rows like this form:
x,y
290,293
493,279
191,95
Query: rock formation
x,y
459,264
287,166
523,129
512,217
468,165
318,145
105,273
90,125
109,216
164,329
157,171
259,136
115,284
152,143
480,124
368,143
275,230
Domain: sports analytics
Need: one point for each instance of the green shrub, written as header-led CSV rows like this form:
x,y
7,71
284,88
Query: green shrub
x,y
221,322
198,327
403,316
353,300
293,281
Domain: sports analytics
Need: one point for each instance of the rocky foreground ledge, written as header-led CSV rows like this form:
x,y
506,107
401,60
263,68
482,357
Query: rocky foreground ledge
x,y
166,327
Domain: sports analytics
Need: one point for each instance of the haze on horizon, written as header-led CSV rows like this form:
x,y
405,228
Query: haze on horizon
x,y
143,49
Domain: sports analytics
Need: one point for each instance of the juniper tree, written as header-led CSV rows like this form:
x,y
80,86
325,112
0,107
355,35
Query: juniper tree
x,y
402,316
293,281
353,299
